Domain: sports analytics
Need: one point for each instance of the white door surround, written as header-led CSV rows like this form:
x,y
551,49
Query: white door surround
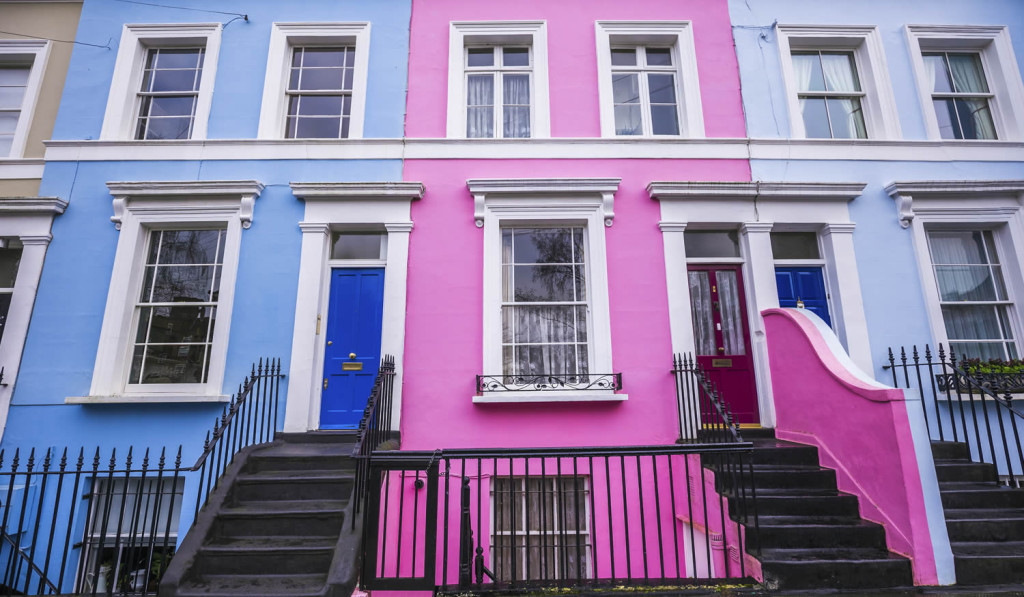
x,y
332,206
754,209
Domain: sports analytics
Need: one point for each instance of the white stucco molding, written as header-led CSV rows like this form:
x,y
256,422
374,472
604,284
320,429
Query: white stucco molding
x,y
12,169
28,219
189,192
783,191
484,188
905,192
339,206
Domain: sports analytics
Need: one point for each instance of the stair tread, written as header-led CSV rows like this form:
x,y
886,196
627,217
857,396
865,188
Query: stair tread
x,y
830,554
984,514
831,521
959,486
287,450
277,507
1011,549
263,584
298,475
795,492
271,543
787,468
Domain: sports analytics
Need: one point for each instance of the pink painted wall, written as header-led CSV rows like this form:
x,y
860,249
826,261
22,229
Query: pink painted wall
x,y
572,61
444,317
872,450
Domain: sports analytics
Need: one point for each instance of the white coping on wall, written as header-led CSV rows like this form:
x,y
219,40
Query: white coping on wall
x,y
569,148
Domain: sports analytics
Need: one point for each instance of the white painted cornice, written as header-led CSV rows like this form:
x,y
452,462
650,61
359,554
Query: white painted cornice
x,y
359,190
600,189
156,194
778,191
11,206
557,148
904,193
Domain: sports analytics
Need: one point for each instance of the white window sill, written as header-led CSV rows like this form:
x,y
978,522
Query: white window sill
x,y
550,396
147,398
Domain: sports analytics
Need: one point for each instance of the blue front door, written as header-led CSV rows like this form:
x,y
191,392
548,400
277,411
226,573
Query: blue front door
x,y
352,351
805,284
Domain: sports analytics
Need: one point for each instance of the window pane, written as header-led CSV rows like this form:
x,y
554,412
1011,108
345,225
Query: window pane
x,y
480,56
323,57
8,122
166,128
807,71
177,58
968,75
659,57
664,120
973,322
11,97
628,120
357,245
985,351
6,141
189,246
794,245
626,88
936,68
975,118
815,118
186,325
544,283
847,118
701,309
966,283
945,115
10,258
543,245
533,324
623,57
319,105
314,128
662,88
5,307
711,243
480,98
318,79
729,310
840,74
515,56
14,76
954,247
168,106
171,80
184,283
166,364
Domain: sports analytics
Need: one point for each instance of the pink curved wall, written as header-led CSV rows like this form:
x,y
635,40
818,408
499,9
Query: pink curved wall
x,y
444,325
572,60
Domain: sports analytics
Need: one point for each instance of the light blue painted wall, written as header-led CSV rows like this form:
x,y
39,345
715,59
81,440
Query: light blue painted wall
x,y
60,350
238,89
764,97
890,283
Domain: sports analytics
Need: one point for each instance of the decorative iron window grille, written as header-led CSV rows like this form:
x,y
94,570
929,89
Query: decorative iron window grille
x,y
548,382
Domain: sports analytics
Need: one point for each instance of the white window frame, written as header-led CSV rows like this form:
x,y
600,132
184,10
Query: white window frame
x,y
998,60
482,33
140,207
38,51
546,202
965,205
284,37
122,111
676,34
881,116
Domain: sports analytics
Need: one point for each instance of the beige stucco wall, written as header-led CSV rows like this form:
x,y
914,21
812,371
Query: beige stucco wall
x,y
50,20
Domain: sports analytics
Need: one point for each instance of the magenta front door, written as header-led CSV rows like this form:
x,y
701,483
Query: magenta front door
x,y
722,336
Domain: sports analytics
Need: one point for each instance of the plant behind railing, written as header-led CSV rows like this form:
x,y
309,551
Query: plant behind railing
x,y
703,415
127,530
374,429
965,406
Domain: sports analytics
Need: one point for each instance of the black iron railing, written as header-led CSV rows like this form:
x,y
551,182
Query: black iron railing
x,y
374,429
548,381
703,415
556,517
87,523
961,406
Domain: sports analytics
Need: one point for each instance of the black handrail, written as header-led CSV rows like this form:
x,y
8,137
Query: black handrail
x,y
965,419
703,415
374,428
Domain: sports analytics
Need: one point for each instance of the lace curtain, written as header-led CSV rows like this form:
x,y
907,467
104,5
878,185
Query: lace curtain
x,y
839,77
703,317
732,318
480,106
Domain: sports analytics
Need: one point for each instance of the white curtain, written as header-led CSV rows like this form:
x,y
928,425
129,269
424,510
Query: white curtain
x,y
732,318
803,65
961,267
931,65
703,318
480,110
839,77
969,78
545,339
516,93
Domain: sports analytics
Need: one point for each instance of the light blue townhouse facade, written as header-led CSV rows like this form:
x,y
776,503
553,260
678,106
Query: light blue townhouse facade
x,y
921,106
151,92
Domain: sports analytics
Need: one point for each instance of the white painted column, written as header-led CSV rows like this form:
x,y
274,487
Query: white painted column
x,y
303,404
393,328
841,266
680,320
762,293
33,253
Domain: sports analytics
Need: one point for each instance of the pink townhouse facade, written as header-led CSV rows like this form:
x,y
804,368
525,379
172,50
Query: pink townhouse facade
x,y
560,169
